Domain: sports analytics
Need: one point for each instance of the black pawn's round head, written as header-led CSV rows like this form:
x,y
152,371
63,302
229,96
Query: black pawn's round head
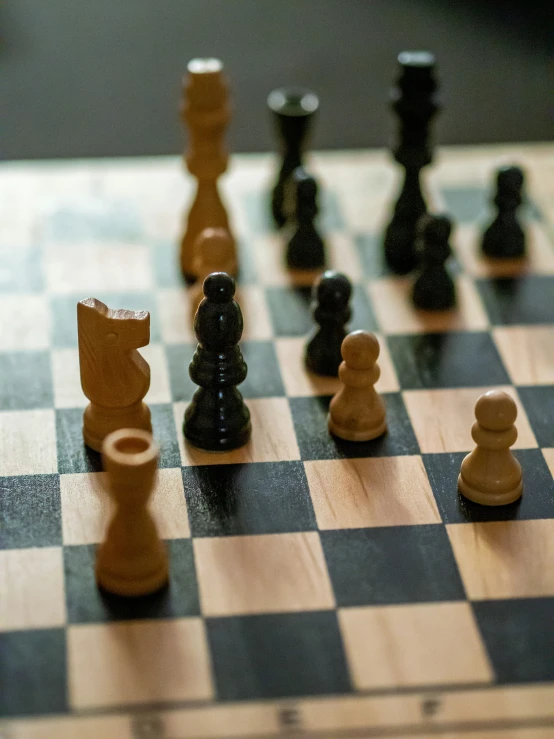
x,y
219,287
332,290
509,179
436,228
218,321
306,186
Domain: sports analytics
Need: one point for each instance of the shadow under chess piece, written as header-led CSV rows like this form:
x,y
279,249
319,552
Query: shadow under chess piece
x,y
415,102
305,249
357,412
114,376
331,310
217,418
214,251
293,110
206,112
490,474
132,560
505,238
434,287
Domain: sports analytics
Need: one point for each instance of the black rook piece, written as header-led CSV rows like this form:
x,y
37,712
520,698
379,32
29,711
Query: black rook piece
x,y
434,288
293,109
504,238
217,418
414,100
305,249
331,311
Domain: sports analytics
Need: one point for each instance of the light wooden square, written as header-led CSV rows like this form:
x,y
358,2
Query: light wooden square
x,y
257,322
381,491
87,508
159,391
32,587
539,260
396,314
120,664
262,574
28,443
442,419
174,310
299,382
90,268
66,379
505,559
548,454
413,645
25,322
273,437
269,255
527,352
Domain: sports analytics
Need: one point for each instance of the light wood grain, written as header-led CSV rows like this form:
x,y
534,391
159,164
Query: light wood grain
x,y
32,588
360,493
527,352
548,454
262,574
442,419
273,437
394,646
505,559
392,303
26,323
28,443
86,508
138,662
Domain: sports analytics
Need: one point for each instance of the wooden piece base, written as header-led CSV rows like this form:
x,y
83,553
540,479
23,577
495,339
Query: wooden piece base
x,y
353,435
489,499
98,422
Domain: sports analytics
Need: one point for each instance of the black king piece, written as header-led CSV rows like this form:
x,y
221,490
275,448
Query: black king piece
x,y
293,109
414,100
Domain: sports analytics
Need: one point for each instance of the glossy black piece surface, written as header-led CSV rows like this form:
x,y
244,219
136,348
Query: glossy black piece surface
x,y
504,238
414,100
305,249
217,418
434,288
293,109
331,311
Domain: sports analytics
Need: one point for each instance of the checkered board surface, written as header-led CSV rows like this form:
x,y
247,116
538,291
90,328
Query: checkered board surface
x,y
317,586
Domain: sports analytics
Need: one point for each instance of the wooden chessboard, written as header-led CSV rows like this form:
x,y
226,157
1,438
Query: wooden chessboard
x,y
318,587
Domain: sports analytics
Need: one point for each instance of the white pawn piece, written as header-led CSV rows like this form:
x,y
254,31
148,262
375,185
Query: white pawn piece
x,y
132,560
214,251
357,412
490,474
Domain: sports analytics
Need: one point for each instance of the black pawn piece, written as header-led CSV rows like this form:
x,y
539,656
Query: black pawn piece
x,y
293,110
217,418
331,311
305,249
504,238
414,100
434,288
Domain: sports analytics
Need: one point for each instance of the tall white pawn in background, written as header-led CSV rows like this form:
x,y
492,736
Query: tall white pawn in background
x,y
490,474
357,412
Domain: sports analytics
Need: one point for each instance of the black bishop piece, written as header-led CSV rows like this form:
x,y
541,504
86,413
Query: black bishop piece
x,y
305,249
217,418
434,288
331,311
505,238
414,100
293,109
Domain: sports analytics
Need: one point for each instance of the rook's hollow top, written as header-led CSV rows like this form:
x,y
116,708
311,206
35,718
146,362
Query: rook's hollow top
x,y
130,447
496,411
418,59
293,101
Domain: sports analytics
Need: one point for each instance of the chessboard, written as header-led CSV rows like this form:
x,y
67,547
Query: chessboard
x,y
318,587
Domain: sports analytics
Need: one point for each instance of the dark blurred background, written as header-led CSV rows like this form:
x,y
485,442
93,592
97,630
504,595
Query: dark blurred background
x,y
102,78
